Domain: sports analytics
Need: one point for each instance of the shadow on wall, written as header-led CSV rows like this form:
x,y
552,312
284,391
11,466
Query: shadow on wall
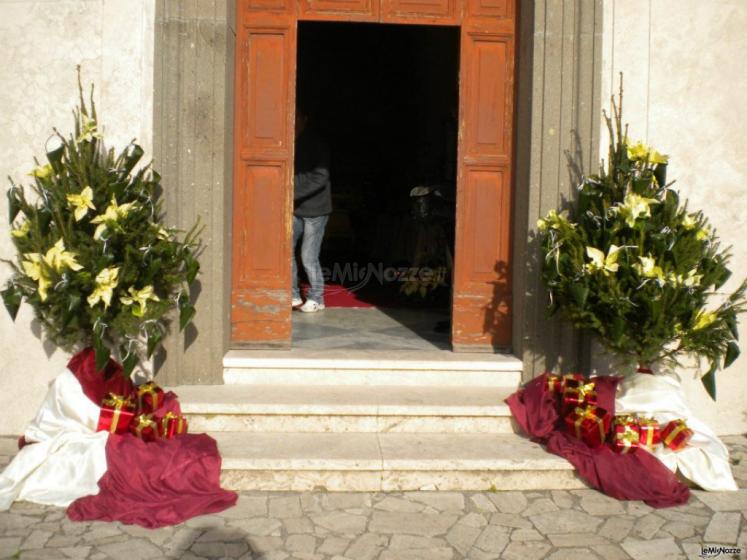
x,y
49,347
559,345
497,319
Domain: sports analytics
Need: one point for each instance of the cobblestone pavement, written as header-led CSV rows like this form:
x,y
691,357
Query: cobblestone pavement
x,y
414,525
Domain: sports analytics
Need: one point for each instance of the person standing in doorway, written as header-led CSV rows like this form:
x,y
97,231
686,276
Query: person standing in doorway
x,y
312,205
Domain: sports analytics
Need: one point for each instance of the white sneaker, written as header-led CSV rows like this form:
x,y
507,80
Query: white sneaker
x,y
311,306
296,302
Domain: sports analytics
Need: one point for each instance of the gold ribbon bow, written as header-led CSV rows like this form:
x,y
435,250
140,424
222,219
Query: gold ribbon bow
x,y
628,437
590,412
144,421
648,423
165,423
681,426
149,388
118,403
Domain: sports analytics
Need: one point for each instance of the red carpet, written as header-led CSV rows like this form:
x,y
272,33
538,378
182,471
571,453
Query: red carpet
x,y
338,295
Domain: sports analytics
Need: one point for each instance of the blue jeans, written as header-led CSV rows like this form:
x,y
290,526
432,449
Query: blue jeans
x,y
312,231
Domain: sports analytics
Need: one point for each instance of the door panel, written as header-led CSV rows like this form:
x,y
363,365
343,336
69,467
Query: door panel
x,y
481,313
267,91
262,194
442,12
490,8
486,106
271,5
263,172
340,10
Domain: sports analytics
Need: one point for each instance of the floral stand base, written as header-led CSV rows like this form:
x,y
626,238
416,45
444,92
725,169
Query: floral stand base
x,y
105,476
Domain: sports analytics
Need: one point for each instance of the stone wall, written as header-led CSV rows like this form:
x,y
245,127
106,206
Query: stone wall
x,y
43,41
683,64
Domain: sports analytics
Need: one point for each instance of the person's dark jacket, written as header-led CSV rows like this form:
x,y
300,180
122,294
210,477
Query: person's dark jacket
x,y
311,185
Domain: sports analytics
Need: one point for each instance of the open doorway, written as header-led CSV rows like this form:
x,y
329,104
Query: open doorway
x,y
385,100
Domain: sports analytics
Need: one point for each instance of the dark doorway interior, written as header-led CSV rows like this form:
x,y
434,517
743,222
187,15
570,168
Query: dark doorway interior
x,y
385,97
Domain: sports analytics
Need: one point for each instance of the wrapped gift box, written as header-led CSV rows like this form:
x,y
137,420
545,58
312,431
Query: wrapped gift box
x,y
171,425
116,414
676,435
590,424
626,434
149,397
145,427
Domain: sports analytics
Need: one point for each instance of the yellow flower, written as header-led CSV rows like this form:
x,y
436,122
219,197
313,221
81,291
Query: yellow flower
x,y
689,222
162,234
88,130
139,297
703,319
112,213
703,233
22,230
635,206
41,172
601,263
81,202
640,152
648,269
690,280
554,220
35,270
57,258
693,278
106,281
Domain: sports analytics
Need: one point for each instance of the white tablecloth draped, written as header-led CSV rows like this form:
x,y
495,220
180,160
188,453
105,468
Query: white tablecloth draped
x,y
705,461
70,455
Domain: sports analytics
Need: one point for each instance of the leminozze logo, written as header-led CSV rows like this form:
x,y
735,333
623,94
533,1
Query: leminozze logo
x,y
714,551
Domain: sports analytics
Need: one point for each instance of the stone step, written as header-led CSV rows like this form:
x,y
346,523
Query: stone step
x,y
303,366
373,462
323,408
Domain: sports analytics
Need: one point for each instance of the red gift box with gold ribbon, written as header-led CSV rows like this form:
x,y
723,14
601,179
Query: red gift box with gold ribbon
x,y
171,425
144,427
589,424
626,434
149,397
650,432
579,393
676,435
556,383
116,414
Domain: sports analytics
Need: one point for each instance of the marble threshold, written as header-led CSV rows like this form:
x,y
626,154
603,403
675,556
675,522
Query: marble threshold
x,y
370,367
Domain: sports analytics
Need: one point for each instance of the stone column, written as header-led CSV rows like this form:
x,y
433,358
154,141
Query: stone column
x,y
558,116
193,131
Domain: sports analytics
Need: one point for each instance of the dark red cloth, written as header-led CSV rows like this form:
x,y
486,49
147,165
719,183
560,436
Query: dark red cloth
x,y
632,476
152,484
96,384
156,484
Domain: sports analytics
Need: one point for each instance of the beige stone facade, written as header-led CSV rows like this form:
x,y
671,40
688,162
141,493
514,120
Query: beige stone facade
x,y
683,64
681,60
42,42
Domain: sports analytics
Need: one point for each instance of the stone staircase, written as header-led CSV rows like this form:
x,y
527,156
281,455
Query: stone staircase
x,y
286,420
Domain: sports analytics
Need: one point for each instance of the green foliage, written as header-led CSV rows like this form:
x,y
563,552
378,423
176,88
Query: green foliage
x,y
93,259
631,264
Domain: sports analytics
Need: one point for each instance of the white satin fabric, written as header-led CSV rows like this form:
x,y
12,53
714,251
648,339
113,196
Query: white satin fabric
x,y
69,456
705,461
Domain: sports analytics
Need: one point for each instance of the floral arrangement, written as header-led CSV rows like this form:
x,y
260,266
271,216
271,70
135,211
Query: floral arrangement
x,y
93,259
629,262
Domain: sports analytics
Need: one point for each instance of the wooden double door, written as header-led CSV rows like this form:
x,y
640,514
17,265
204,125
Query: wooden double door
x,y
265,77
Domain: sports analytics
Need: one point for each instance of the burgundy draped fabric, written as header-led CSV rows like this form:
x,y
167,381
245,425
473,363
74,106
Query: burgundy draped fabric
x,y
631,476
151,484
